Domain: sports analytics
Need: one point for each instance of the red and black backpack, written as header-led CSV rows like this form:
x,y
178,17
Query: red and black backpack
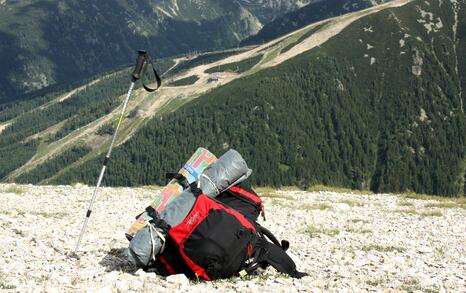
x,y
220,238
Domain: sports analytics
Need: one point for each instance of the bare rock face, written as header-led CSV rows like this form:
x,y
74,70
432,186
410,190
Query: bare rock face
x,y
416,68
267,10
344,241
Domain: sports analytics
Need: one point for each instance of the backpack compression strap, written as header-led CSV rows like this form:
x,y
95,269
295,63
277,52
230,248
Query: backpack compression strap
x,y
180,178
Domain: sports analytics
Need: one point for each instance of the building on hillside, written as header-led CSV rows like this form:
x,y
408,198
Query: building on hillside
x,y
213,78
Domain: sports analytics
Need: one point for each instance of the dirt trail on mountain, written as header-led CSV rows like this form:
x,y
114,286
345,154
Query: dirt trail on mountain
x,y
331,30
335,26
80,89
71,93
74,137
177,62
4,126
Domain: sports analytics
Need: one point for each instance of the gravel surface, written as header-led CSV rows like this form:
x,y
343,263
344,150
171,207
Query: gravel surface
x,y
346,242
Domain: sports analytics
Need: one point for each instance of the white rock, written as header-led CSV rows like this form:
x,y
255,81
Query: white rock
x,y
122,286
140,273
373,258
64,280
399,260
179,279
47,288
111,277
79,186
342,206
425,249
251,285
137,285
296,260
336,263
343,234
105,289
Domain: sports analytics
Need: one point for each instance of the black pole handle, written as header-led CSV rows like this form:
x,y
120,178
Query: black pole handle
x,y
139,71
140,63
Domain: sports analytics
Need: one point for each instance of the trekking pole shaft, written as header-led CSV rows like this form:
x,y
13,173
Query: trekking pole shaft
x,y
122,115
89,210
104,167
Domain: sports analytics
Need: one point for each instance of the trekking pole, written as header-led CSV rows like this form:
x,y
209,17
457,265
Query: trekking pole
x,y
138,72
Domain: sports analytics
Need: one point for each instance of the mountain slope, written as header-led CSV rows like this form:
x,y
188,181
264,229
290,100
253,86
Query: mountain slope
x,y
47,42
42,134
377,103
308,14
344,241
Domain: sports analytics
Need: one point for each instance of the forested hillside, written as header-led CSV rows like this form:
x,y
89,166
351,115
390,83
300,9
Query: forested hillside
x,y
313,12
380,106
47,42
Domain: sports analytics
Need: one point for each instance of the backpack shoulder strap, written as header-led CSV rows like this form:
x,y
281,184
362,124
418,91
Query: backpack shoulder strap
x,y
281,261
273,254
269,235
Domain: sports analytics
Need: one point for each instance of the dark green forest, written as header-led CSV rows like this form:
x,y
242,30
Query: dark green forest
x,y
53,165
238,67
358,118
41,112
379,107
185,81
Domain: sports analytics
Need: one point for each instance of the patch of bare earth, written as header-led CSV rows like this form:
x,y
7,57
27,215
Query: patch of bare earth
x,y
4,126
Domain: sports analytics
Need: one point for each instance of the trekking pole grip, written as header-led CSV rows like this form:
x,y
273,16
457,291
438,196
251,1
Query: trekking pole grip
x,y
140,62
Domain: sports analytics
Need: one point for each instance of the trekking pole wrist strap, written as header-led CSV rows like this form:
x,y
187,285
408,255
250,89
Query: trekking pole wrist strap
x,y
156,75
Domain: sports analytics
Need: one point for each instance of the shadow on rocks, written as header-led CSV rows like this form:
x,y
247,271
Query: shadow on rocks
x,y
116,260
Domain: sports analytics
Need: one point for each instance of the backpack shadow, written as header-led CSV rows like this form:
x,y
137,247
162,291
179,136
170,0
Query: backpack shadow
x,y
116,260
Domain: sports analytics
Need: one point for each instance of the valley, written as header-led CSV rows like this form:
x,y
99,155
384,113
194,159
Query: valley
x,y
212,76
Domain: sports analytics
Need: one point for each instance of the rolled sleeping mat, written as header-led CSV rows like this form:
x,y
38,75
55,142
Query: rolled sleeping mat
x,y
149,241
179,209
230,169
145,246
191,171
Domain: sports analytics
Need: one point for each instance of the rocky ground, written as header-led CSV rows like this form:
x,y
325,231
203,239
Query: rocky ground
x,y
346,242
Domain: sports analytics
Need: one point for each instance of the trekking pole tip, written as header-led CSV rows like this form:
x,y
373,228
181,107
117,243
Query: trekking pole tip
x,y
74,255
